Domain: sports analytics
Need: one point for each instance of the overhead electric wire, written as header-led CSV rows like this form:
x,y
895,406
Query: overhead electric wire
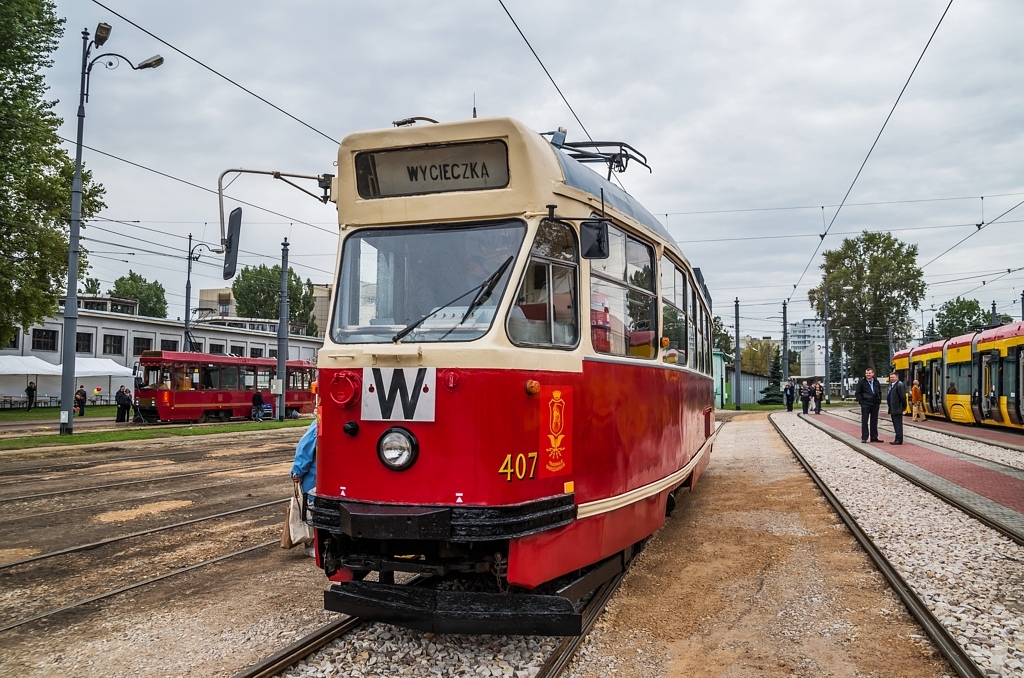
x,y
875,143
217,73
818,235
849,204
202,188
979,229
546,71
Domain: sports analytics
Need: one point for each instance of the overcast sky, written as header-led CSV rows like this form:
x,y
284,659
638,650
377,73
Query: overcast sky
x,y
737,105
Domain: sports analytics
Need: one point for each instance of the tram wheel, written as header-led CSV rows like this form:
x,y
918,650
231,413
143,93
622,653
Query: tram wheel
x,y
202,418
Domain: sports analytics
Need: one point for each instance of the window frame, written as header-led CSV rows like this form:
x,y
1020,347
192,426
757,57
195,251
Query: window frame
x,y
679,275
41,339
136,351
624,283
111,339
548,261
78,342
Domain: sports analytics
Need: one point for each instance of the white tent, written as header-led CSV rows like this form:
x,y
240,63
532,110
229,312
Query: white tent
x,y
99,367
17,371
12,365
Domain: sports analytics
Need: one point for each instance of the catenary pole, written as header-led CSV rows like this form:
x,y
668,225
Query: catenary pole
x,y
188,299
785,344
828,377
995,314
282,333
737,371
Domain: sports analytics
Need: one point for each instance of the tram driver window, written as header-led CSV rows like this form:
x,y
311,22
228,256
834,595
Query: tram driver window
x,y
623,318
544,312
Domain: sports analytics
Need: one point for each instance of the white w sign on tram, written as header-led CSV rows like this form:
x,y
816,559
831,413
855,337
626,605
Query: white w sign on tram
x,y
398,394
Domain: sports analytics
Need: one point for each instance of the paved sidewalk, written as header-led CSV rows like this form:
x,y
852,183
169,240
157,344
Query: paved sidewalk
x,y
991,490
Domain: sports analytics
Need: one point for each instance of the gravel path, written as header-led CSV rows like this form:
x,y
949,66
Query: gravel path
x,y
984,451
970,576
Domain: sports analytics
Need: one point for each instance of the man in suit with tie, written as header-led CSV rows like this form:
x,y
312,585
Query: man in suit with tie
x,y
897,401
869,395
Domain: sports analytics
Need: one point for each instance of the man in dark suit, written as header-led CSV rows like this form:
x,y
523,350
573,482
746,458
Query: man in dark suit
x,y
869,395
897,401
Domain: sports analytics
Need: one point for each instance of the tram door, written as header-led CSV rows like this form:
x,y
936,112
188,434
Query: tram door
x,y
934,390
990,387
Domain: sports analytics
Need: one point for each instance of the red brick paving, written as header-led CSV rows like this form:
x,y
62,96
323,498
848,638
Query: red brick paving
x,y
1011,437
999,487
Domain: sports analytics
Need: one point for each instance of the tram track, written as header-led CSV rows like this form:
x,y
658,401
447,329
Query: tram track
x,y
946,644
987,519
553,666
135,585
141,533
140,481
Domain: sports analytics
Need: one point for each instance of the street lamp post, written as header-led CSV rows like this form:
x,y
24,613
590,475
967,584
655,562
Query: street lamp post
x,y
192,256
67,381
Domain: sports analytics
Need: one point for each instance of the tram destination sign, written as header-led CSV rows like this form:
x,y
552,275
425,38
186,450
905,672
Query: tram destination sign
x,y
432,169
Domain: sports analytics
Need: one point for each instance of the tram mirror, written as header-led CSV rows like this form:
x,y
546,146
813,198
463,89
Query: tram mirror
x,y
594,239
231,243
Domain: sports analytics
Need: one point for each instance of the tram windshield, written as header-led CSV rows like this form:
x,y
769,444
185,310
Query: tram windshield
x,y
393,277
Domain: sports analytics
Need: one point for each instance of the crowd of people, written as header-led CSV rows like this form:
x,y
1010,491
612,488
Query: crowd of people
x,y
869,396
811,396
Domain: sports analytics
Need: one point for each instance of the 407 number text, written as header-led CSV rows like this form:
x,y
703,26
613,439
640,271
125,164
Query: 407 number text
x,y
519,466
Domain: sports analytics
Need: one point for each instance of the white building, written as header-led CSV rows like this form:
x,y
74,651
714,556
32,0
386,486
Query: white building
x,y
122,338
812,360
803,334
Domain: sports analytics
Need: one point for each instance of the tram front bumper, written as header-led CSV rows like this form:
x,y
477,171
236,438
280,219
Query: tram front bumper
x,y
465,612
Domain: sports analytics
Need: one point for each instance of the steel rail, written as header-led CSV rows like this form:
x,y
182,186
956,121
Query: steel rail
x,y
144,497
951,650
141,533
855,416
308,644
988,520
87,464
559,659
129,587
155,479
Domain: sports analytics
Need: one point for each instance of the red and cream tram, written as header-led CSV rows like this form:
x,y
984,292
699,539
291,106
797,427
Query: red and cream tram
x,y
512,388
173,386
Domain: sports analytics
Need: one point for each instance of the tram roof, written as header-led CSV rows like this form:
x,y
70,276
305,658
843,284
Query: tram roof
x,y
153,357
526,148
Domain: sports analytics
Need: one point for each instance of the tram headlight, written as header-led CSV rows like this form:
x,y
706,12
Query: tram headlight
x,y
397,449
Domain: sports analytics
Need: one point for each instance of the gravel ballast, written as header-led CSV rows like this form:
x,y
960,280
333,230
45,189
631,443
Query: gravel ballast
x,y
969,575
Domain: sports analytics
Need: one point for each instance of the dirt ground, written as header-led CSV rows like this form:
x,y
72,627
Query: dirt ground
x,y
754,575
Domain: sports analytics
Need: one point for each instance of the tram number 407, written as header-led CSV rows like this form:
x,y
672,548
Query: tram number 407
x,y
519,466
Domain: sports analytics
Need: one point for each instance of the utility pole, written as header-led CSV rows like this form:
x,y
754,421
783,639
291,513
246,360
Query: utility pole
x,y
1022,305
828,382
282,335
995,315
188,299
737,371
785,344
892,352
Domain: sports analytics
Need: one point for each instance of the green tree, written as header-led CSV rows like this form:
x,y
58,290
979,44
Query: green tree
x,y
757,356
874,283
35,172
720,338
958,316
930,333
92,286
772,393
794,363
150,295
257,292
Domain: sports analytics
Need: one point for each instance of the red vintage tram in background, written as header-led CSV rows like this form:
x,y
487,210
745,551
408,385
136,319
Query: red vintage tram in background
x,y
173,386
515,383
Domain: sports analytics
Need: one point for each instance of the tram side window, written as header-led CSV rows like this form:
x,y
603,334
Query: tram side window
x,y
545,309
623,311
673,319
158,377
262,378
186,378
210,377
298,380
959,379
229,378
247,378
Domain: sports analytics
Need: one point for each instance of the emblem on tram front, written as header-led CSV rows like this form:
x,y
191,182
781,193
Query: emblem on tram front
x,y
556,430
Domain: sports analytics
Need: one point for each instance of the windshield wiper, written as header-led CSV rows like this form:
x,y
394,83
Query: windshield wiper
x,y
483,290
